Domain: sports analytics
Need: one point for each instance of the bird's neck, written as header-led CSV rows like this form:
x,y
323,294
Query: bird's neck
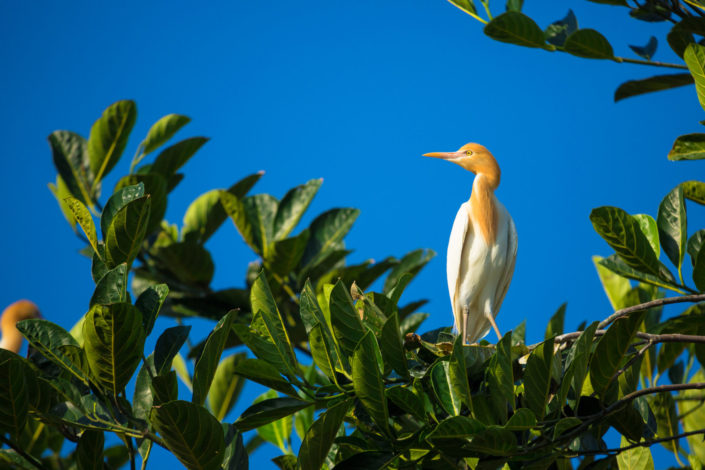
x,y
484,209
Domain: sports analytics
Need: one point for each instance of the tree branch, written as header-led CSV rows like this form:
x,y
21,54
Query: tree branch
x,y
650,62
647,305
35,463
618,450
665,338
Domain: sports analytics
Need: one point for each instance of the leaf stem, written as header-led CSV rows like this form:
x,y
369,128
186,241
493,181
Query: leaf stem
x,y
35,463
649,62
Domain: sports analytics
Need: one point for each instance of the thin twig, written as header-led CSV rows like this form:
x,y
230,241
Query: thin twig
x,y
649,337
631,361
647,305
618,450
35,463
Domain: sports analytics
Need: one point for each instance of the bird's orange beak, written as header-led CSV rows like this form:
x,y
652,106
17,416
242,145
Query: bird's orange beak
x,y
442,155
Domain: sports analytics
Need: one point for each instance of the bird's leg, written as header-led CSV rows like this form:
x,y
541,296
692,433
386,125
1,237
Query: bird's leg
x,y
490,317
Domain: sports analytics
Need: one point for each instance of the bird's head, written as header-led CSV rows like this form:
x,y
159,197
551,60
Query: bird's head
x,y
473,157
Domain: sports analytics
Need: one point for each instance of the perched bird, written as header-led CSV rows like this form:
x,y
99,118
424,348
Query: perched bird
x,y
20,310
482,248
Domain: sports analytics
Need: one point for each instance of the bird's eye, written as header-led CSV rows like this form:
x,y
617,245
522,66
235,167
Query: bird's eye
x,y
468,152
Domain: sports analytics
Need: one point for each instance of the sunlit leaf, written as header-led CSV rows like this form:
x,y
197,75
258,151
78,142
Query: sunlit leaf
x,y
70,154
84,219
126,232
156,186
226,386
367,381
205,368
688,147
174,157
112,287
108,137
672,226
694,57
292,207
163,130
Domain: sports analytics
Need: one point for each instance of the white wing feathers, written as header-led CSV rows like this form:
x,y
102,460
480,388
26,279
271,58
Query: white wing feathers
x,y
458,236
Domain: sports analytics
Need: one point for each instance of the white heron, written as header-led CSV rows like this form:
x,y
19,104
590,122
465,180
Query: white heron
x,y
482,248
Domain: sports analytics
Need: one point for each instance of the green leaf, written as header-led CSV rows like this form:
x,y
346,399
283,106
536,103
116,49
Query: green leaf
x,y
367,381
117,201
515,28
555,324
270,410
651,84
293,206
114,340
515,5
235,208
206,214
226,386
168,345
647,51
694,57
588,43
311,313
392,346
579,358
126,232
142,399
165,387
286,254
699,270
450,430
71,161
61,192
468,6
14,403
458,374
623,233
98,267
189,262
649,228
694,245
564,425
112,287
156,186
616,265
174,157
446,393
616,287
694,190
407,400
611,351
672,226
109,136
638,458
500,377
537,378
664,407
278,432
558,31
89,451
263,373
260,211
150,303
50,339
688,147
522,420
411,263
693,416
679,39
347,327
322,351
319,437
327,231
163,130
84,219
235,457
205,368
191,433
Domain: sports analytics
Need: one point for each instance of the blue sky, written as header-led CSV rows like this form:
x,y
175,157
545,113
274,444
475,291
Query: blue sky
x,y
353,92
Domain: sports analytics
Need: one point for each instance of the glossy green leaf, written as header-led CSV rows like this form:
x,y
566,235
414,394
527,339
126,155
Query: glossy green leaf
x,y
651,84
500,378
616,287
84,219
468,6
611,351
407,400
555,324
664,408
98,267
456,427
695,244
174,157
272,325
694,191
579,358
446,394
206,214
112,287
458,374
189,262
558,31
235,456
261,345
263,373
588,43
699,270
322,351
165,387
108,137
411,263
126,232
269,410
114,340
205,368
286,254
226,386
311,313
516,28
70,155
260,211
638,458
537,378
277,432
367,381
679,39
623,233
319,437
693,416
14,402
649,227
694,57
142,399
89,451
235,208
156,186
50,339
150,303
292,207
117,201
163,130
61,193
168,345
617,266
688,147
327,231
191,433
672,226
392,346
347,327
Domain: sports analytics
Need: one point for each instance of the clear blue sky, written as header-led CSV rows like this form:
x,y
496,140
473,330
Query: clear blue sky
x,y
353,92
